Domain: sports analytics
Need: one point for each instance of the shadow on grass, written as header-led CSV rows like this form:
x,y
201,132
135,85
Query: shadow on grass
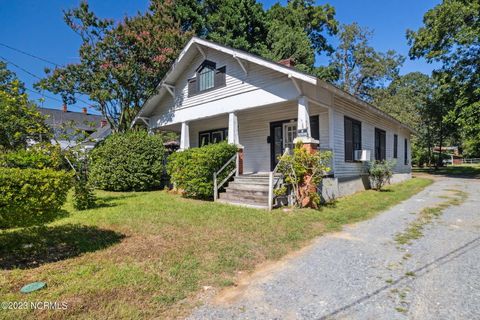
x,y
111,201
384,190
31,247
26,219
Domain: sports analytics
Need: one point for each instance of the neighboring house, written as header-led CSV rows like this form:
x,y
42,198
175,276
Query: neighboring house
x,y
213,93
67,124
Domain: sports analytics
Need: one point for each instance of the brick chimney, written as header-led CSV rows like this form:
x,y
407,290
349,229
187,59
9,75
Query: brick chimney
x,y
287,62
65,109
84,110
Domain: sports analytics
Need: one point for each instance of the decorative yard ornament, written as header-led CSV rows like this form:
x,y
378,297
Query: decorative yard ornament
x,y
34,286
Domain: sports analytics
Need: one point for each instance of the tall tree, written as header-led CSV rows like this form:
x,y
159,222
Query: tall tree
x,y
20,120
298,31
120,63
409,98
239,24
405,97
451,36
360,68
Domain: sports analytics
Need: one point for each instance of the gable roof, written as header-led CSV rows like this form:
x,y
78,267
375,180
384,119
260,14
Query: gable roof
x,y
198,43
82,121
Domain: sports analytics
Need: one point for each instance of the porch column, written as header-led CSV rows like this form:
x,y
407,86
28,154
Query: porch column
x,y
233,128
233,139
331,136
185,137
304,134
303,123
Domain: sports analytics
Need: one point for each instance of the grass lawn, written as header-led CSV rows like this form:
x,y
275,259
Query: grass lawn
x,y
464,170
147,255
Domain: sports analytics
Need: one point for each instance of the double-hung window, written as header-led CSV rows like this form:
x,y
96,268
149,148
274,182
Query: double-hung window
x,y
353,137
207,77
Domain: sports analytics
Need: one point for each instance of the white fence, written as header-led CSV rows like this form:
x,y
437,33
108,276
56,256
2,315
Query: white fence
x,y
472,160
462,161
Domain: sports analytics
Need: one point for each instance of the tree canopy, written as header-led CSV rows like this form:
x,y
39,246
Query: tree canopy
x,y
120,63
451,36
359,67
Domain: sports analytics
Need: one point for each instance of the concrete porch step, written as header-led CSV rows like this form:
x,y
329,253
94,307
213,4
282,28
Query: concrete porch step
x,y
248,190
261,199
241,192
247,186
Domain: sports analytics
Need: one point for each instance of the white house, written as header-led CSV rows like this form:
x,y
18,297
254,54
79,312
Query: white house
x,y
213,93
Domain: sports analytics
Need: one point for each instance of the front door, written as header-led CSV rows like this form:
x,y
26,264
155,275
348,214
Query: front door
x,y
282,134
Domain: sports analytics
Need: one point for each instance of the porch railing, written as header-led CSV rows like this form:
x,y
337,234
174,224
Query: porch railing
x,y
216,185
272,184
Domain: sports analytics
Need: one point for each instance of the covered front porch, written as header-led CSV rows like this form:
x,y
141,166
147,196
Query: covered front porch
x,y
263,132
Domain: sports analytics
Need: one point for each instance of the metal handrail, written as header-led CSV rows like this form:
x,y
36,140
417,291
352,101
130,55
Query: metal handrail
x,y
217,186
271,183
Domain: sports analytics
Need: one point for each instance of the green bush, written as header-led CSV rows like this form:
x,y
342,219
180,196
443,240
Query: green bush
x,y
303,172
37,157
128,161
31,196
84,195
380,173
192,170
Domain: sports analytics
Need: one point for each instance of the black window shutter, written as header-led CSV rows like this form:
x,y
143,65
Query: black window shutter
x,y
192,87
315,127
405,152
220,77
395,146
348,139
383,145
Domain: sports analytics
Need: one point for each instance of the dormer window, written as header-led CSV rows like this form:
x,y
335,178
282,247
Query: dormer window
x,y
207,77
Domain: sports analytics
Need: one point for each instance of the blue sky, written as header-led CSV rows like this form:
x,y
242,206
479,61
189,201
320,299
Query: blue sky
x,y
37,27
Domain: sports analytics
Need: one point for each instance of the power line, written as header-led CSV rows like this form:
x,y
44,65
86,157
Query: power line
x,y
17,66
52,98
43,95
35,76
29,54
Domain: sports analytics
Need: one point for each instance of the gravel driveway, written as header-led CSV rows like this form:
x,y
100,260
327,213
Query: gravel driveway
x,y
363,273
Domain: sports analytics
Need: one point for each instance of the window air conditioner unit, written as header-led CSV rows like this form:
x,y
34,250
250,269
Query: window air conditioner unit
x,y
362,155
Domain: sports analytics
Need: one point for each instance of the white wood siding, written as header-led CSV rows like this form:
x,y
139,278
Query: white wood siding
x,y
261,86
254,128
262,96
369,121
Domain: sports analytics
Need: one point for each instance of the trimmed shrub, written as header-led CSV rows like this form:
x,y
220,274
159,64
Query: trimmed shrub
x,y
192,170
31,196
130,161
37,157
380,173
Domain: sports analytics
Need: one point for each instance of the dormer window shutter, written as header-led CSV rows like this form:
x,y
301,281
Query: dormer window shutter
x,y
220,77
192,87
